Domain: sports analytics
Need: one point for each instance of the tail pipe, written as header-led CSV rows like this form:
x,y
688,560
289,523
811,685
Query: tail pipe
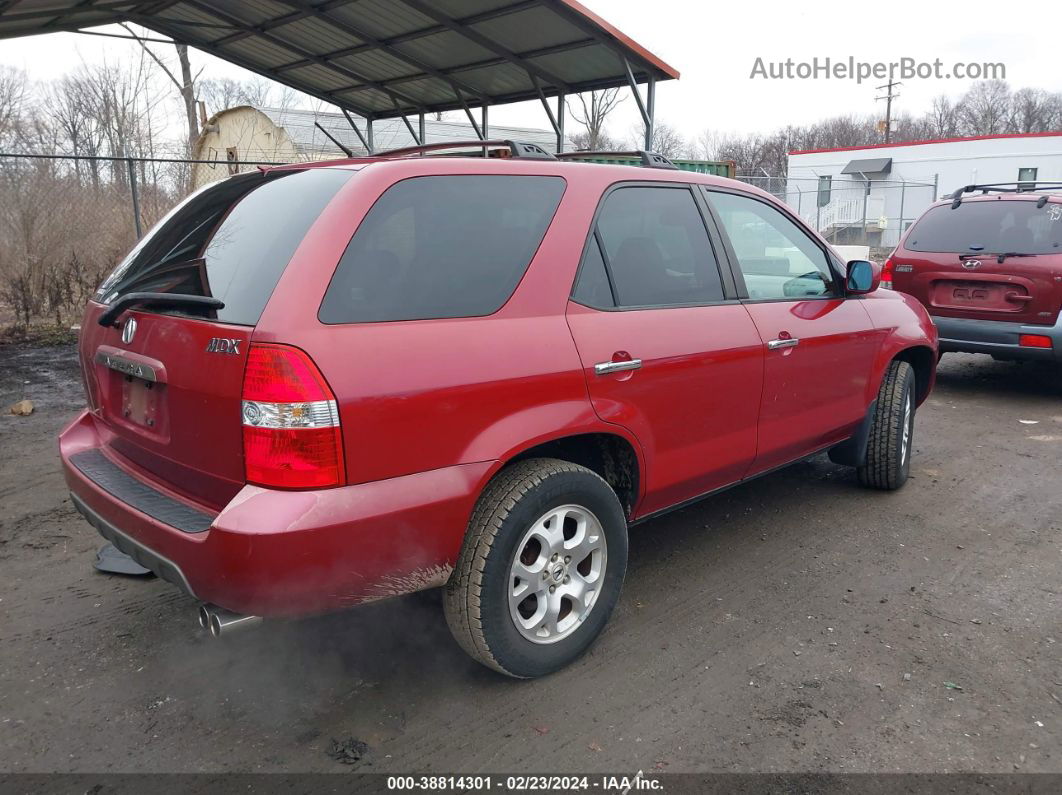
x,y
218,621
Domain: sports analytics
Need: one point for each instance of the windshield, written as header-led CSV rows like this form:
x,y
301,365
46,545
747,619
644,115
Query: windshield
x,y
995,227
231,241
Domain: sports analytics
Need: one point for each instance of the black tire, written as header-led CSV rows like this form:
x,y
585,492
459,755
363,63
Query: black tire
x,y
888,460
476,599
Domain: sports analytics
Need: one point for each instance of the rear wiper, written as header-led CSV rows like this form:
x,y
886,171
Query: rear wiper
x,y
123,302
1001,257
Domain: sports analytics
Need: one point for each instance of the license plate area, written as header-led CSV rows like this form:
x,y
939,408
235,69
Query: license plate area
x,y
984,296
140,402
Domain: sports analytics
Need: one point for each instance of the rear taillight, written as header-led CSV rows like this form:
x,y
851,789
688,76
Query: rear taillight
x,y
1034,341
291,434
886,274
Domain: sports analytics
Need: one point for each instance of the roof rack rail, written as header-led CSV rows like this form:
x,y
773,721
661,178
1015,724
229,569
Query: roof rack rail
x,y
517,149
1022,186
649,159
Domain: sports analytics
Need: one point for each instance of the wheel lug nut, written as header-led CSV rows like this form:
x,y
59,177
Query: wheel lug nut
x,y
567,558
552,588
545,575
567,578
555,556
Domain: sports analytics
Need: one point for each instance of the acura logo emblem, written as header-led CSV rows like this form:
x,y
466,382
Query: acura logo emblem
x,y
129,330
971,264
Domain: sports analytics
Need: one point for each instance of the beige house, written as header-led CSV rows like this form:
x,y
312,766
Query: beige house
x,y
245,134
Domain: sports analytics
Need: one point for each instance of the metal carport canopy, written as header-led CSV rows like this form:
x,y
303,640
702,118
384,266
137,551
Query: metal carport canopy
x,y
384,58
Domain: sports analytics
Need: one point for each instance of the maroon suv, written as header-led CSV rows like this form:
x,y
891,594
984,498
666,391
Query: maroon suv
x,y
988,267
311,387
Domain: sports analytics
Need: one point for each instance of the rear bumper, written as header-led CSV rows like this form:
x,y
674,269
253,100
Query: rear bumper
x,y
997,338
274,553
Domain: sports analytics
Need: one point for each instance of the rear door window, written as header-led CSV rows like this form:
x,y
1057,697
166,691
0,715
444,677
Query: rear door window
x,y
442,246
657,248
231,241
995,227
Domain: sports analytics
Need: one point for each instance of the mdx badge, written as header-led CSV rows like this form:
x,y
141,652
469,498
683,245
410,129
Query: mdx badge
x,y
223,345
129,330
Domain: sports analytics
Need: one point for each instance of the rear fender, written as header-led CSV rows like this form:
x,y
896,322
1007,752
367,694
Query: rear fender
x,y
511,437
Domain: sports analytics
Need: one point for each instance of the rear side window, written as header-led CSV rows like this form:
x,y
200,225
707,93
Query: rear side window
x,y
231,241
445,246
593,287
657,248
995,227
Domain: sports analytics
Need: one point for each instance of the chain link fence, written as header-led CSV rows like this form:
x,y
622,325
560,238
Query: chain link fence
x,y
870,212
66,221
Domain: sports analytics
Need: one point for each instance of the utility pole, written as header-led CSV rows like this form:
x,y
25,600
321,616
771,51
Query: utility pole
x,y
889,97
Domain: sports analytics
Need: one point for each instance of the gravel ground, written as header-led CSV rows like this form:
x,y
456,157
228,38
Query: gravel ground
x,y
797,623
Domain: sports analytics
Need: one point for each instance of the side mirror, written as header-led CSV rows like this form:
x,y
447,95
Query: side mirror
x,y
863,277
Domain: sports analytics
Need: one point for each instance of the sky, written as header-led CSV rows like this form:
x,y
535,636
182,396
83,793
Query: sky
x,y
715,46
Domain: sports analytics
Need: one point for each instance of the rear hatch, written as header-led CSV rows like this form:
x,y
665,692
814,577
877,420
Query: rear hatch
x,y
991,258
165,378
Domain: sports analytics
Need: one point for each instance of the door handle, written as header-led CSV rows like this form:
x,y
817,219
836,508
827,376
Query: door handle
x,y
790,342
604,368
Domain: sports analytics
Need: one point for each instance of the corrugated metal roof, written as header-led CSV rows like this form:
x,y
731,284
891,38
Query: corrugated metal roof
x,y
387,133
381,58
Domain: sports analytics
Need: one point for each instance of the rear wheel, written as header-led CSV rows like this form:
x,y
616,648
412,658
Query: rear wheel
x,y
888,461
541,568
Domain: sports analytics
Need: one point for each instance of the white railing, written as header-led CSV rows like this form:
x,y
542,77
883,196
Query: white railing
x,y
847,211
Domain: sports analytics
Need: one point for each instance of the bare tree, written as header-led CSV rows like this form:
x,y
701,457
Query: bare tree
x,y
591,110
13,84
221,93
667,140
185,85
1033,110
943,118
985,108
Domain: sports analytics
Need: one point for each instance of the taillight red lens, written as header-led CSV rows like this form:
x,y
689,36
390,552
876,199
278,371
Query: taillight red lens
x,y
1034,341
291,433
282,374
886,273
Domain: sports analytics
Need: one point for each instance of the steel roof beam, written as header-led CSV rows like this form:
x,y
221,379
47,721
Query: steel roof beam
x,y
357,132
240,25
378,44
486,43
323,94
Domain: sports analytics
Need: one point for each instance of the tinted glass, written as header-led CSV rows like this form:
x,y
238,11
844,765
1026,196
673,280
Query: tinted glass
x,y
777,258
995,227
592,287
657,248
431,247
231,241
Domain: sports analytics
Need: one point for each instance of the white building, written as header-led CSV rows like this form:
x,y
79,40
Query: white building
x,y
883,189
248,134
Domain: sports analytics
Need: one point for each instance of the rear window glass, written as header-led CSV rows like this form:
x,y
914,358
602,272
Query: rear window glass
x,y
231,241
445,246
995,227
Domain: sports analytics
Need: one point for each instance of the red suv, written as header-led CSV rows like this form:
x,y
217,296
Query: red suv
x,y
311,387
988,267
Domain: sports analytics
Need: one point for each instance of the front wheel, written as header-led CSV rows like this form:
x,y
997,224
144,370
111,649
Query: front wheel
x,y
888,461
540,570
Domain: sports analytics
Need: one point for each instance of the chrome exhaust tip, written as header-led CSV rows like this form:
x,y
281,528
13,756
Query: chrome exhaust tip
x,y
218,621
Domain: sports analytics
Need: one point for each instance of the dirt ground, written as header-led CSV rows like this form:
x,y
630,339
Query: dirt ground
x,y
796,623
